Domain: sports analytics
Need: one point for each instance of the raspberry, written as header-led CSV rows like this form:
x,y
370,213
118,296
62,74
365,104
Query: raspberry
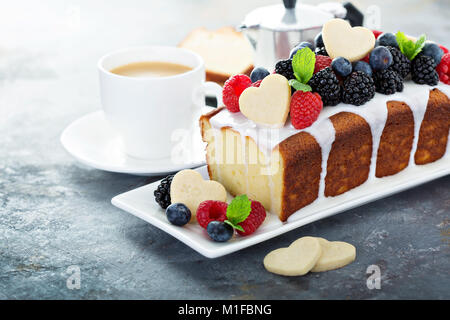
x,y
376,33
321,63
446,59
254,219
211,210
443,69
444,49
232,90
366,58
305,109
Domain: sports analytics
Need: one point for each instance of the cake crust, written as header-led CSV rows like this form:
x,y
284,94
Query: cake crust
x,y
302,162
396,140
434,129
349,160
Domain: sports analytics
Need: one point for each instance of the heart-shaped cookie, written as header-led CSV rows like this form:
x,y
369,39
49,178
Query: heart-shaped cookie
x,y
341,40
267,105
188,187
335,254
295,260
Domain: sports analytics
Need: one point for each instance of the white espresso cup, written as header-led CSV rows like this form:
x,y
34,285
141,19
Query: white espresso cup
x,y
147,111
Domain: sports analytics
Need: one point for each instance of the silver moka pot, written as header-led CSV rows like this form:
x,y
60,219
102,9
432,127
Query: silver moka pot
x,y
274,30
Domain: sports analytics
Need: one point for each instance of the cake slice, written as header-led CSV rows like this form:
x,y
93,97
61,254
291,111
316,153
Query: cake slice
x,y
225,51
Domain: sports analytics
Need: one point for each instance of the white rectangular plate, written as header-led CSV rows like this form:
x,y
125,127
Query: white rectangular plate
x,y
140,202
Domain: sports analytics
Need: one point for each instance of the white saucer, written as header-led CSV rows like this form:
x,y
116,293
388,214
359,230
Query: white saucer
x,y
92,141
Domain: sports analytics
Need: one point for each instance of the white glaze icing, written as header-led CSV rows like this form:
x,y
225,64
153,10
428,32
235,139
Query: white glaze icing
x,y
373,112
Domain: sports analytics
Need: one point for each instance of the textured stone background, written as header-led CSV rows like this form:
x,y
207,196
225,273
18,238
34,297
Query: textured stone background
x,y
55,213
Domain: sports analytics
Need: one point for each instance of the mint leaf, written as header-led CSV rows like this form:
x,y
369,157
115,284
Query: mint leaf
x,y
420,43
401,41
297,85
234,226
409,47
303,64
238,210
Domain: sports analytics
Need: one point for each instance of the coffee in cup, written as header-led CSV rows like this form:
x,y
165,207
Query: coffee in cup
x,y
152,69
150,94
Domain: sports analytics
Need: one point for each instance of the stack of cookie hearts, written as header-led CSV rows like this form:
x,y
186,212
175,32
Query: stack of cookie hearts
x,y
309,254
186,197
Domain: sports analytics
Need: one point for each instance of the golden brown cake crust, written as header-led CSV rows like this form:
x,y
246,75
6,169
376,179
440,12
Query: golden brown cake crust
x,y
349,160
396,140
434,129
302,158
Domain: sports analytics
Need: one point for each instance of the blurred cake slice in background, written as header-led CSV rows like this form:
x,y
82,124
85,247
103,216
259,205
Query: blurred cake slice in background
x,y
226,52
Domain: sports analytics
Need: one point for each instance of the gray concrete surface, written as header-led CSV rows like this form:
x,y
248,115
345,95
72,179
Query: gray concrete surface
x,y
56,213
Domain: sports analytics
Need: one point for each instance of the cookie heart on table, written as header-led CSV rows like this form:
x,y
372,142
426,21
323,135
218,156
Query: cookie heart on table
x,y
341,40
267,105
296,260
188,187
335,254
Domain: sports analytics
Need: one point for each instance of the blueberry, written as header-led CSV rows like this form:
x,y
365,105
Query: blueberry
x,y
258,74
380,58
363,66
387,39
219,231
178,214
318,41
300,46
432,50
341,66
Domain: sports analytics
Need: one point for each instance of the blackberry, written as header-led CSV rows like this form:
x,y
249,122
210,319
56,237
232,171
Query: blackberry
x,y
387,82
321,51
327,86
358,88
162,193
400,62
284,67
423,70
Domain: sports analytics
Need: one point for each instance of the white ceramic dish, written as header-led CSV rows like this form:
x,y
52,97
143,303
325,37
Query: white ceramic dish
x,y
93,142
140,202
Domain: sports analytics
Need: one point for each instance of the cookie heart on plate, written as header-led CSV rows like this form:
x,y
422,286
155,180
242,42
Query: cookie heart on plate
x,y
341,40
295,260
267,105
188,187
335,254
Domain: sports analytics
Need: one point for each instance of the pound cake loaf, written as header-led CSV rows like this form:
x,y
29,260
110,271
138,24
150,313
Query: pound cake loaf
x,y
339,132
346,146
